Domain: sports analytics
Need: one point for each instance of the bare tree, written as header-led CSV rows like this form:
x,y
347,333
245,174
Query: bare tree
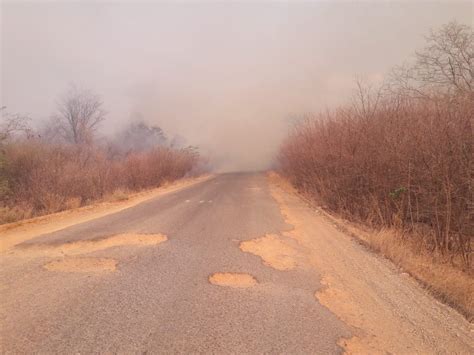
x,y
79,114
12,124
139,136
366,97
446,63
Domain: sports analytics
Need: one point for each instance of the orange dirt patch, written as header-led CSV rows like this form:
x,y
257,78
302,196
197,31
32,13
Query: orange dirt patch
x,y
230,279
15,233
340,302
388,312
82,265
273,251
88,246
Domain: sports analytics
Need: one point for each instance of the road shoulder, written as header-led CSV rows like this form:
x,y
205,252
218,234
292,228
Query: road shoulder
x,y
387,310
18,232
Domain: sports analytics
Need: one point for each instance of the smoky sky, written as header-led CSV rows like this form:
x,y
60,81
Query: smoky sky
x,y
229,77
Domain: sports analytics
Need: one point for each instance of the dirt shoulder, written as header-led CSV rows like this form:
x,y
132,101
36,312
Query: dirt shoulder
x,y
388,311
18,232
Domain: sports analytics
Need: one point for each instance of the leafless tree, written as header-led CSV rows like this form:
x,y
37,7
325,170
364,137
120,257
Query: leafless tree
x,y
79,114
445,64
11,124
366,97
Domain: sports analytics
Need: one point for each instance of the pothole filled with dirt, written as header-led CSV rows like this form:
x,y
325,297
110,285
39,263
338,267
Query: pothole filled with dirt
x,y
82,265
88,246
231,279
273,251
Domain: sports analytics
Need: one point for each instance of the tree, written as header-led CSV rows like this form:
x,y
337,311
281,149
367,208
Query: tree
x,y
79,114
12,124
138,136
445,64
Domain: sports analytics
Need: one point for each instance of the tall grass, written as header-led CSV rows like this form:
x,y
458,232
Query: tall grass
x,y
401,162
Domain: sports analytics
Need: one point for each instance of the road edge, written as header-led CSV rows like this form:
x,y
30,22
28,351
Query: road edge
x,y
15,233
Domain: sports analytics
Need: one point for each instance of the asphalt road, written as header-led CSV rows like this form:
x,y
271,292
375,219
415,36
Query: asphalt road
x,y
159,298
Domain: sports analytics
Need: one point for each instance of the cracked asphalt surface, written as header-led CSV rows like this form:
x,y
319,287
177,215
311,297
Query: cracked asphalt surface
x,y
158,299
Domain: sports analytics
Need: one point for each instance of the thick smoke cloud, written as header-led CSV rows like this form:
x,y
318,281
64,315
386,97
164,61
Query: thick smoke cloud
x,y
227,77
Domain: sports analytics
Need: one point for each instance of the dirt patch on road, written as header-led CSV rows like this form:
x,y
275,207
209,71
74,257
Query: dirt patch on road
x,y
18,232
340,302
82,265
387,312
88,246
230,279
273,251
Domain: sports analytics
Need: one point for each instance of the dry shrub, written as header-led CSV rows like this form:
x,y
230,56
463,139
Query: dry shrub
x,y
118,195
404,163
72,202
15,213
155,167
49,177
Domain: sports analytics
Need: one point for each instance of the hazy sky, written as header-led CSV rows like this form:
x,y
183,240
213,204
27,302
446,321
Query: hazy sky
x,y
227,76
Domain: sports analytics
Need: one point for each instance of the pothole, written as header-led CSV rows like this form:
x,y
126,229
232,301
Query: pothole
x,y
273,251
231,279
87,246
82,265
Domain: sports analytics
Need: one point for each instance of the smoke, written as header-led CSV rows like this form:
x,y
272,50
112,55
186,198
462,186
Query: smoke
x,y
226,77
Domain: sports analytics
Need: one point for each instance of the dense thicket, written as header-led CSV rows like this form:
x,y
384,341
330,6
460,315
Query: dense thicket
x,y
39,177
65,166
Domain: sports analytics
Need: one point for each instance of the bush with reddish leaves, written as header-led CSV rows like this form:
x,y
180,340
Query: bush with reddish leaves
x,y
406,163
46,178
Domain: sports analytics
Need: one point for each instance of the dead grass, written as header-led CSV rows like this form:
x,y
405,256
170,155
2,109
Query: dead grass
x,y
118,195
442,276
14,213
435,272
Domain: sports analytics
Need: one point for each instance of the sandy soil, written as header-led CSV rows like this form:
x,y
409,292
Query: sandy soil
x,y
15,233
89,246
230,279
69,255
273,251
388,310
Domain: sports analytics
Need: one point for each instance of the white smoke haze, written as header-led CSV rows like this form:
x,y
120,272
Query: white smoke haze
x,y
226,76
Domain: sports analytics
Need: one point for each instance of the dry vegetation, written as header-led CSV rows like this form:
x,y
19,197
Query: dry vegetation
x,y
64,166
401,157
